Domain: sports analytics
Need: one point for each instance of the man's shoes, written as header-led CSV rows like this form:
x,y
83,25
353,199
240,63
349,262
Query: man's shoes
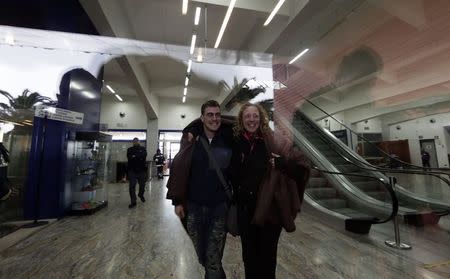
x,y
142,198
132,205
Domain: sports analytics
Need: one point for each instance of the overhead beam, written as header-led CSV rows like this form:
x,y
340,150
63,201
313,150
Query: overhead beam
x,y
410,11
110,19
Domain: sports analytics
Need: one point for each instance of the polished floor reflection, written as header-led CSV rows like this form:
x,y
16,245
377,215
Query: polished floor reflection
x,y
149,242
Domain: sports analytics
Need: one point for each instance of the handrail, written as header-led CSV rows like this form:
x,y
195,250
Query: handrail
x,y
364,139
381,169
387,186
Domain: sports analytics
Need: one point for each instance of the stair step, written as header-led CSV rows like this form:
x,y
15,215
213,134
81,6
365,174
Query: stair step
x,y
357,178
379,195
317,182
322,193
367,186
347,168
333,203
314,173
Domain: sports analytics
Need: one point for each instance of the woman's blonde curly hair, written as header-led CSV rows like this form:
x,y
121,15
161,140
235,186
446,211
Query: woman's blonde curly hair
x,y
239,129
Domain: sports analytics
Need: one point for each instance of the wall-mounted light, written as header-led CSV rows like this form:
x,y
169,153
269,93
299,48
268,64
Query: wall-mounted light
x,y
186,81
189,66
224,23
274,12
299,55
184,7
198,11
118,97
110,89
194,38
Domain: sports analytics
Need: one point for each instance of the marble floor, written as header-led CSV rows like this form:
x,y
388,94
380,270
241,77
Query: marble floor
x,y
149,242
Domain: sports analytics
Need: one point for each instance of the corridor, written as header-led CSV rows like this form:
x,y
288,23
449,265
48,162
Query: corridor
x,y
149,242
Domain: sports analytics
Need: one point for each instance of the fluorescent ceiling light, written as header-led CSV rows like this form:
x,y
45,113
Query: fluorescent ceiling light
x,y
194,38
225,22
110,89
184,8
198,11
184,99
274,12
189,66
118,97
186,81
185,91
298,56
9,39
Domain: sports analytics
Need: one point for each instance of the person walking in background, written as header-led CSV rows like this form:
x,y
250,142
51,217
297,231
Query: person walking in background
x,y
137,171
159,159
196,191
269,181
425,158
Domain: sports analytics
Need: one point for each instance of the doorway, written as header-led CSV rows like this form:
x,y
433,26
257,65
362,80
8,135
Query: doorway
x,y
169,144
429,146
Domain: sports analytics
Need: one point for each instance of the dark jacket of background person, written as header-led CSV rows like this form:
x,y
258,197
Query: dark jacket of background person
x,y
136,158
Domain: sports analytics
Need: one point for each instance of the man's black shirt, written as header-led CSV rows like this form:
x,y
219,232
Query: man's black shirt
x,y
136,158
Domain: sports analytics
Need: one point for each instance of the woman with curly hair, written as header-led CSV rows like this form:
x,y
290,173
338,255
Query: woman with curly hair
x,y
269,179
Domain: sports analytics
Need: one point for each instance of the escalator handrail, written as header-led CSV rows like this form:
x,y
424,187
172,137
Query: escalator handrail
x,y
371,167
388,187
367,141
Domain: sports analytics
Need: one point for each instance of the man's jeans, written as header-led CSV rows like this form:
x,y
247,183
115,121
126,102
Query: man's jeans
x,y
136,177
206,227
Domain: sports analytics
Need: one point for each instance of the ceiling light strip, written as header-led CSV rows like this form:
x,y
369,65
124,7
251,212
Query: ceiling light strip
x,y
185,91
186,81
274,12
110,89
189,66
225,22
184,7
184,99
194,38
198,11
298,56
118,97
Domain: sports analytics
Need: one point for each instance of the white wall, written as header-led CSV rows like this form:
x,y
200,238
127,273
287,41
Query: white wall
x,y
421,128
135,117
171,109
333,124
373,125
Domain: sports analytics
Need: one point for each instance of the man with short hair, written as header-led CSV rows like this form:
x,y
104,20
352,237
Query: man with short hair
x,y
196,191
137,171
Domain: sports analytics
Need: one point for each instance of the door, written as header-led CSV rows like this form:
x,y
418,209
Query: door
x,y
429,146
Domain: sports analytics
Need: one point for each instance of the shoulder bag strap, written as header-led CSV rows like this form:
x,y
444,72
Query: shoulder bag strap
x,y
226,186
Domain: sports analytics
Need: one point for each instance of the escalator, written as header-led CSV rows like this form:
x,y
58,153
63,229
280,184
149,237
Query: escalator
x,y
349,188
